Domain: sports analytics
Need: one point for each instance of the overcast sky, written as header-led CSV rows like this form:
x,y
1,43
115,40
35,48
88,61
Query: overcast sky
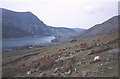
x,y
66,13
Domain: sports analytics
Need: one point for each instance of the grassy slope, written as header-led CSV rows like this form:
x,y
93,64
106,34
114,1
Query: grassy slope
x,y
46,56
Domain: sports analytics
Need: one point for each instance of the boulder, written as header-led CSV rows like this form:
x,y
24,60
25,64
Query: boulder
x,y
42,74
68,72
29,72
96,59
56,70
85,73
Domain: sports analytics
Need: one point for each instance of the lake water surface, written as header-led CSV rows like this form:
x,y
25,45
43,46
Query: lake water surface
x,y
18,42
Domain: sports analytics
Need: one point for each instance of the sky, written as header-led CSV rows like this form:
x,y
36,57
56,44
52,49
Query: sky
x,y
66,13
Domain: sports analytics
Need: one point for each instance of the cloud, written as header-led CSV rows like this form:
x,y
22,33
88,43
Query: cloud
x,y
70,13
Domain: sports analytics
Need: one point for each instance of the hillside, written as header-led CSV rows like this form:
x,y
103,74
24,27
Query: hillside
x,y
108,26
22,24
68,59
96,56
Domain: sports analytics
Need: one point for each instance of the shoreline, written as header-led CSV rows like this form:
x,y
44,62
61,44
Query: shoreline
x,y
28,46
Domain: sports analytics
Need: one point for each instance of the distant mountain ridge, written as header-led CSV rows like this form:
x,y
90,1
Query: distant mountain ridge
x,y
22,24
78,29
109,26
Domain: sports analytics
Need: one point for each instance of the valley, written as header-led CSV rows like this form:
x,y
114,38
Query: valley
x,y
74,52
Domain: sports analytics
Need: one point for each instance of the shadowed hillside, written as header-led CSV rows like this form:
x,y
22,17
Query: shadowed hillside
x,y
22,24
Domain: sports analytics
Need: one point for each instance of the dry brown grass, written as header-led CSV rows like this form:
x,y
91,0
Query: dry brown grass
x,y
47,55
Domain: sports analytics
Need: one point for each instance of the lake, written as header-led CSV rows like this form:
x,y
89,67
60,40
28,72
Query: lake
x,y
18,42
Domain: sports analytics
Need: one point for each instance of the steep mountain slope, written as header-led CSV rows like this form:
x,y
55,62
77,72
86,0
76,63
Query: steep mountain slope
x,y
22,24
19,24
108,26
